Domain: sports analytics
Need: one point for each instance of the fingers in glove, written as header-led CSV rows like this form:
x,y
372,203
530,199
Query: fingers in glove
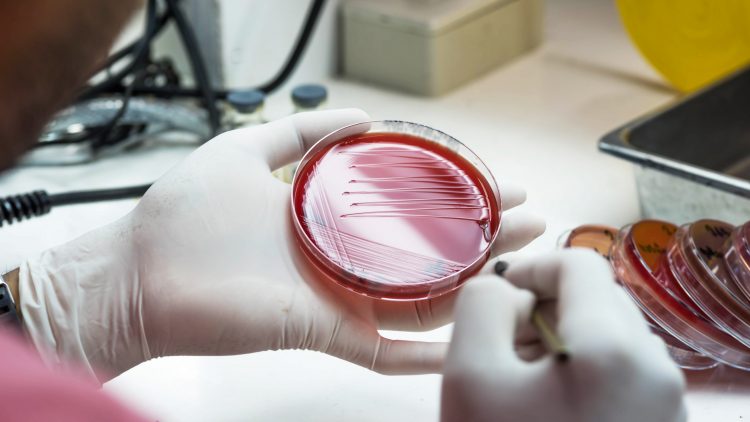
x,y
286,140
419,315
489,313
406,357
517,230
593,316
364,346
511,195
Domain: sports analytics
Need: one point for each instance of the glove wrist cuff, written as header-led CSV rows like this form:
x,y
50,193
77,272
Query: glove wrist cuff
x,y
82,303
8,310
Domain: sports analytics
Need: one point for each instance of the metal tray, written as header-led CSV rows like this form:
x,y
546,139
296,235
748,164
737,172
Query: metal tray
x,y
693,157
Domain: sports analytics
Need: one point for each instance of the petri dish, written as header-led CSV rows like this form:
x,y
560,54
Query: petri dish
x,y
737,258
600,239
395,210
696,256
638,260
681,354
590,236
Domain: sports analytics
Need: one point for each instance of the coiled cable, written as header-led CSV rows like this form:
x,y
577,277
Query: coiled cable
x,y
25,206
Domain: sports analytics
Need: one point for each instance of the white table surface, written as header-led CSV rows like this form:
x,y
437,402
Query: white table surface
x,y
535,122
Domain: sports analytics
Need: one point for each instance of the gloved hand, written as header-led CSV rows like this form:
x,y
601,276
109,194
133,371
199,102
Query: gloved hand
x,y
617,372
208,264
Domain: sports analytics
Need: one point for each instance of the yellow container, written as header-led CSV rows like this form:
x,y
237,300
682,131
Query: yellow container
x,y
690,42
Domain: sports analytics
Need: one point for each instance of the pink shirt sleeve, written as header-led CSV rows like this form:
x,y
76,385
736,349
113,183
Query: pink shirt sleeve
x,y
31,392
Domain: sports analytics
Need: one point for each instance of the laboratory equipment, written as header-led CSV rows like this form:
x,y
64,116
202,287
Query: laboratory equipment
x,y
245,108
131,99
431,47
737,257
309,97
101,127
600,239
395,210
692,159
696,254
689,281
636,256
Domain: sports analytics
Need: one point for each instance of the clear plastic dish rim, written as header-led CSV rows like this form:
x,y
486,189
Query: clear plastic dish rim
x,y
685,356
392,126
664,317
685,246
737,258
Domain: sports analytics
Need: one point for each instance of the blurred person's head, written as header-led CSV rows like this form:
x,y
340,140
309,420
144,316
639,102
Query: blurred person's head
x,y
49,49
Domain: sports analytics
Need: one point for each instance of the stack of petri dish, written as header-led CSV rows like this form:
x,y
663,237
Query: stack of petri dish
x,y
737,257
690,282
394,210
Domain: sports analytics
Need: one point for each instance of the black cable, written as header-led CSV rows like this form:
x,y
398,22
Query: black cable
x,y
87,196
140,56
102,136
197,64
290,65
175,92
16,208
313,14
130,48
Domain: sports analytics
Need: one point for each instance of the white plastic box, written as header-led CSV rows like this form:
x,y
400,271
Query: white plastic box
x,y
429,47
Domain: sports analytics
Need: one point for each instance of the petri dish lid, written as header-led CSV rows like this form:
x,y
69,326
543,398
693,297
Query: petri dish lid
x,y
600,239
681,354
395,210
698,254
703,244
640,250
737,258
591,236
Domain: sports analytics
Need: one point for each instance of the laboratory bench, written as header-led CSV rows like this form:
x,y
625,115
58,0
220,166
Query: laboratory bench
x,y
535,122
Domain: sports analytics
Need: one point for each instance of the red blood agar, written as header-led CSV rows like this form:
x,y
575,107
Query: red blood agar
x,y
394,216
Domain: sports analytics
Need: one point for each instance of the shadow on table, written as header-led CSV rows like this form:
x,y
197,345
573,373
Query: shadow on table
x,y
609,71
720,379
301,408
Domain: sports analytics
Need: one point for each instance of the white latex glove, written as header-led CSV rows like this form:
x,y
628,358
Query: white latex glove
x,y
617,372
208,264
